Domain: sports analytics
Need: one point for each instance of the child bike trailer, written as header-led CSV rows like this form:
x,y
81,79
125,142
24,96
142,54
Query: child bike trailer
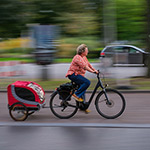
x,y
24,98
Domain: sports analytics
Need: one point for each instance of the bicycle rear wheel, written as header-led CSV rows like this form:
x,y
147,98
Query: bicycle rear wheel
x,y
62,109
113,110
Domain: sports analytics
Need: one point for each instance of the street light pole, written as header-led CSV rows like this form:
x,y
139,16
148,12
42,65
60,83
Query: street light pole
x,y
148,34
109,21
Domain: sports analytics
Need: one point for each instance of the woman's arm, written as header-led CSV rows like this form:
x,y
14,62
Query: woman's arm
x,y
90,69
90,66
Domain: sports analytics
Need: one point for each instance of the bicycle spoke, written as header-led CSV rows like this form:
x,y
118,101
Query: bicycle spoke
x,y
74,106
56,106
102,101
62,109
116,106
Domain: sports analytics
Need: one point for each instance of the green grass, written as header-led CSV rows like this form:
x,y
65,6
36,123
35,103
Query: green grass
x,y
50,85
47,85
141,83
63,60
68,60
58,60
25,60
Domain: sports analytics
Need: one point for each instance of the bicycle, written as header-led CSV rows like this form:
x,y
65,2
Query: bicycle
x,y
109,103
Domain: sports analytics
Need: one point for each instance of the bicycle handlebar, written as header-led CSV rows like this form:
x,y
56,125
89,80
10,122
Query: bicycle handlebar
x,y
97,73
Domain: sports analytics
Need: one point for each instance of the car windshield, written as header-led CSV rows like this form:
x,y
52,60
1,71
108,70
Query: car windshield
x,y
108,49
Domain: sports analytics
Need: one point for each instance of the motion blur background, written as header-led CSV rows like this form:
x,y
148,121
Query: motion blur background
x,y
45,32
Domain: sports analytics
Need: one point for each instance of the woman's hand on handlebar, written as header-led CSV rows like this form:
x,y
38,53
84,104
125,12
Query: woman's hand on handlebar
x,y
96,71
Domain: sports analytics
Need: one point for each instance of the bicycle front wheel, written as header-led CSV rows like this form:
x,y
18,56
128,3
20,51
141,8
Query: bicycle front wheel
x,y
62,109
116,106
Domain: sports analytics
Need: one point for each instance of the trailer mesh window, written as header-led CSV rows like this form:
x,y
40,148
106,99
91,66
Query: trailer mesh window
x,y
24,94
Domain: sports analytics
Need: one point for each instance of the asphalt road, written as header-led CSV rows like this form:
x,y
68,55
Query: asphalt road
x,y
43,130
73,138
137,112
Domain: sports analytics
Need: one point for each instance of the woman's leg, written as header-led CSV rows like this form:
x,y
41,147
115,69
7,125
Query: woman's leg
x,y
83,83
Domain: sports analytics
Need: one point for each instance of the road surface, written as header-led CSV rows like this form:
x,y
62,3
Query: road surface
x,y
137,112
43,130
73,138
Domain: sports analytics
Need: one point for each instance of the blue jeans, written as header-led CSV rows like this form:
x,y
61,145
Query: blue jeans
x,y
83,83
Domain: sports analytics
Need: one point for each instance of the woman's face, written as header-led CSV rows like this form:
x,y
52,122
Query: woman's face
x,y
85,52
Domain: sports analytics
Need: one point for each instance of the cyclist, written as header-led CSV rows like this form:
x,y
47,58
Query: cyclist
x,y
77,70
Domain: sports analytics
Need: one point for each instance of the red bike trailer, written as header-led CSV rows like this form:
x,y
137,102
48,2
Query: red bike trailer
x,y
24,98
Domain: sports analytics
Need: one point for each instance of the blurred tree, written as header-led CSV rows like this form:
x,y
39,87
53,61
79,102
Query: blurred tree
x,y
130,19
76,18
84,20
109,21
11,20
44,12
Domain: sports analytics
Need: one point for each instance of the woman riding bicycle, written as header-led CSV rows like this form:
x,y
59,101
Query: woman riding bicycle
x,y
77,70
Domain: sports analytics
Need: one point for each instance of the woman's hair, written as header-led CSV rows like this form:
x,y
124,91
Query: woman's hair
x,y
81,49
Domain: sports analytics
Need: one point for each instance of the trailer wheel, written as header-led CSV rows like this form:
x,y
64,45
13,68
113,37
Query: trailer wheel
x,y
18,112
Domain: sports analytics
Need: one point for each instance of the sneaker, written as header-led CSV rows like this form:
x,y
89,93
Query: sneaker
x,y
87,111
77,98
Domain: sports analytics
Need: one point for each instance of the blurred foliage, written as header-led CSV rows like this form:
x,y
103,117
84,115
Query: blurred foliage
x,y
14,43
81,21
78,17
12,18
130,19
80,24
68,45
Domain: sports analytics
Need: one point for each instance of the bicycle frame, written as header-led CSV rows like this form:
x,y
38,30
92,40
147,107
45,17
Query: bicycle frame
x,y
105,109
99,84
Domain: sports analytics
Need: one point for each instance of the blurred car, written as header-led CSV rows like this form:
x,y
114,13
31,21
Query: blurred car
x,y
124,54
